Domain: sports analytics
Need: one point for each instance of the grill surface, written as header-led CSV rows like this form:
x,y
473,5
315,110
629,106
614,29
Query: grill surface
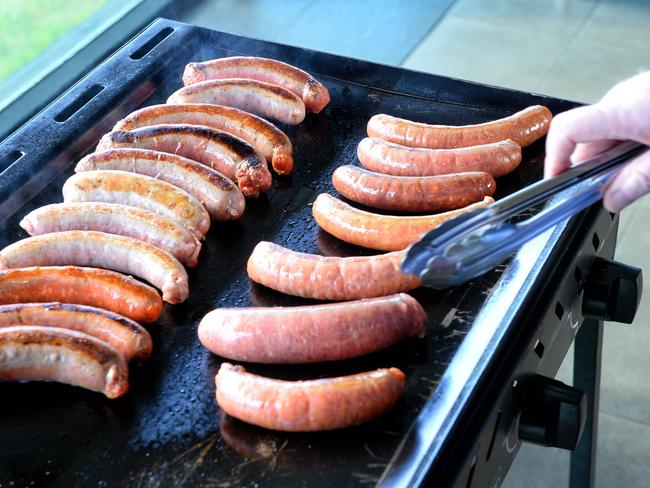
x,y
168,429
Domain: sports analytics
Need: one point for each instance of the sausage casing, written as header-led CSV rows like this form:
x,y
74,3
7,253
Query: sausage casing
x,y
412,193
98,249
313,93
314,333
269,141
497,158
128,337
524,128
32,353
307,406
328,278
376,231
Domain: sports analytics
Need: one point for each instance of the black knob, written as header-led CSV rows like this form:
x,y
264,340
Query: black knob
x,y
612,291
553,414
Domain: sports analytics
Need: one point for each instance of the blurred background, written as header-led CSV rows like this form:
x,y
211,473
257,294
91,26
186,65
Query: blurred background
x,y
572,49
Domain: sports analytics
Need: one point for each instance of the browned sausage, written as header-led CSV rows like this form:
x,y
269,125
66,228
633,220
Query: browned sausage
x,y
269,141
219,150
310,334
32,353
497,158
328,278
412,193
126,336
90,248
375,231
307,406
524,128
96,287
257,97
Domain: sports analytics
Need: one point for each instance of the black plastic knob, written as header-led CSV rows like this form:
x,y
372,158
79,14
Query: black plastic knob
x,y
553,414
612,291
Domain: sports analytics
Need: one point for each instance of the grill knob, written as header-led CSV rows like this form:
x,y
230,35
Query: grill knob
x,y
612,291
553,414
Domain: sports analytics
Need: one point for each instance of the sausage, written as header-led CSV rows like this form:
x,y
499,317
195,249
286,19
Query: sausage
x,y
497,158
128,337
412,193
135,190
223,152
328,278
219,195
311,334
524,128
375,231
95,287
307,406
313,93
257,97
113,218
33,353
269,141
98,249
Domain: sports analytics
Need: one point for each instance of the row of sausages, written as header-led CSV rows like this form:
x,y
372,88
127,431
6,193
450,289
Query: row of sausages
x,y
374,314
140,205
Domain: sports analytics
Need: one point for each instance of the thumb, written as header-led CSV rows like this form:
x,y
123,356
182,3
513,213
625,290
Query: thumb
x,y
631,183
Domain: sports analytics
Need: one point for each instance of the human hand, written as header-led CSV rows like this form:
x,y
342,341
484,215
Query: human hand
x,y
578,134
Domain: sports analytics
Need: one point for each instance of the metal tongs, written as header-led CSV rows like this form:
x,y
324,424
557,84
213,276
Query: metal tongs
x,y
475,242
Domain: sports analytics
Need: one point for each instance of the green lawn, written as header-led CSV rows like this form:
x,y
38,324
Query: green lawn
x,y
29,26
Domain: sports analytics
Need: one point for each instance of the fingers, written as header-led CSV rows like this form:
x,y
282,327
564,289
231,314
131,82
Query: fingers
x,y
631,183
586,150
568,129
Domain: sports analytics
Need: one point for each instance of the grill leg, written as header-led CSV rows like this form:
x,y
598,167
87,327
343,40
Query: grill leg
x,y
586,377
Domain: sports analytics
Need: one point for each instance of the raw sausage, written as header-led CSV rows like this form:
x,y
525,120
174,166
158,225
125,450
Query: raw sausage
x,y
260,98
96,287
524,128
219,150
113,218
269,141
307,406
90,248
219,195
328,278
375,231
310,334
32,353
412,193
126,336
132,189
497,158
313,93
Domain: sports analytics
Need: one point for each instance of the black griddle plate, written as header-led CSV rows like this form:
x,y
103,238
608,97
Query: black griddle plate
x,y
168,431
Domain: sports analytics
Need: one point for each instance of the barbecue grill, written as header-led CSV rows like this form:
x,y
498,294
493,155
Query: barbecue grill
x,y
477,387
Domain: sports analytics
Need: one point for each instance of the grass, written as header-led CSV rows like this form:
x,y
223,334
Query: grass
x,y
27,27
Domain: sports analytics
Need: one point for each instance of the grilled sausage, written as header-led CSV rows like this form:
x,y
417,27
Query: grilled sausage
x,y
132,189
375,231
412,193
223,152
87,286
497,159
32,353
219,195
90,248
310,334
260,98
328,278
269,141
313,93
126,336
113,218
307,406
524,128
